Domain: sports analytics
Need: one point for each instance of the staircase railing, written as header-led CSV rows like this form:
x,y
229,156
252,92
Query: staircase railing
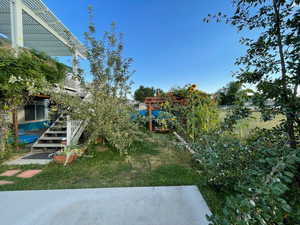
x,y
72,128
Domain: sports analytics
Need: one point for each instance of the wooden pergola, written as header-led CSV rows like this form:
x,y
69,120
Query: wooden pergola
x,y
154,103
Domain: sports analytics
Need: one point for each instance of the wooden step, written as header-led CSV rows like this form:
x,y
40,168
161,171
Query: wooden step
x,y
58,128
56,132
60,123
43,150
52,145
52,138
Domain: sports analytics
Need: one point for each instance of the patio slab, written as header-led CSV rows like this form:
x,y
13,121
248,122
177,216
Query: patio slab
x,y
29,173
4,182
180,205
9,173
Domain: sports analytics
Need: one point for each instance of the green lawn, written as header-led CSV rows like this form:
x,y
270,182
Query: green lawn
x,y
155,162
254,121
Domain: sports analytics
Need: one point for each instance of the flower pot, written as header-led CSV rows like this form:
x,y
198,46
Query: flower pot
x,y
61,159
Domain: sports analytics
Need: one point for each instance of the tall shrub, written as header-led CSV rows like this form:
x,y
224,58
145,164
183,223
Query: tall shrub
x,y
106,108
195,115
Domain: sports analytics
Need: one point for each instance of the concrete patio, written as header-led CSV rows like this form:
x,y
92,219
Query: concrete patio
x,y
180,205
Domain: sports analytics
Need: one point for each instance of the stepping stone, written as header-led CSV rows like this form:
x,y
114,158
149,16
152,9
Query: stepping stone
x,y
29,173
9,173
3,182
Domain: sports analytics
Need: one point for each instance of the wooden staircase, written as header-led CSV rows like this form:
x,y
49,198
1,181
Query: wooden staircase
x,y
63,132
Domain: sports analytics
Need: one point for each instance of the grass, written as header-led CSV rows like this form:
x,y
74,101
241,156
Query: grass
x,y
244,126
154,162
13,153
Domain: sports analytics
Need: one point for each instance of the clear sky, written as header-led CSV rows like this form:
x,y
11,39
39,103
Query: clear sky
x,y
168,40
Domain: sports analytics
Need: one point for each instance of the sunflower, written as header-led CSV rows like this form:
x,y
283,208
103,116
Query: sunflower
x,y
192,88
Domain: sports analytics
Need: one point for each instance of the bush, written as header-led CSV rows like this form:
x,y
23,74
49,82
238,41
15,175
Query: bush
x,y
223,159
258,172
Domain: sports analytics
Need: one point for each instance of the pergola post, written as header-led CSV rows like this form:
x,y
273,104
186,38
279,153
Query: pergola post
x,y
150,116
16,19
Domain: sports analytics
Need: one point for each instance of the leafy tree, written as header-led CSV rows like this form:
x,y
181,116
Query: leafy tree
x,y
272,60
142,92
159,92
109,115
228,95
105,108
259,172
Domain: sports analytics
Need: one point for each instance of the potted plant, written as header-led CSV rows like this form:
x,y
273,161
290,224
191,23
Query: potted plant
x,y
67,155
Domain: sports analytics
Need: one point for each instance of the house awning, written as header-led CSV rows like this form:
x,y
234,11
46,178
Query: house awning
x,y
31,24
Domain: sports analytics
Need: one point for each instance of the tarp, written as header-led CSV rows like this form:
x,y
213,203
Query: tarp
x,y
156,114
25,139
38,125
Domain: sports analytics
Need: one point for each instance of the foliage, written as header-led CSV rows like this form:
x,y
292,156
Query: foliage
x,y
236,113
222,159
109,113
228,95
109,117
142,92
24,74
30,64
105,108
195,115
272,60
52,70
257,172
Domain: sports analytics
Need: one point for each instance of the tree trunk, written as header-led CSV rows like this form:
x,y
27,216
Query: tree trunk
x,y
3,133
15,128
289,116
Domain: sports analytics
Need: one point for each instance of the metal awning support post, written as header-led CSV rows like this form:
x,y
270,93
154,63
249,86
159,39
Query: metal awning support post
x,y
16,18
17,38
75,58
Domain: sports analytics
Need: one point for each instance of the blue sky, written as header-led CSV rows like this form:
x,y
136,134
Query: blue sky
x,y
170,44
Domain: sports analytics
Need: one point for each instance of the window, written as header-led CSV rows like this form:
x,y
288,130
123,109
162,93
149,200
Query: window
x,y
35,111
29,112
